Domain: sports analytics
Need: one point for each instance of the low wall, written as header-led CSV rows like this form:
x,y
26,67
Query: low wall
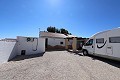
x,y
7,50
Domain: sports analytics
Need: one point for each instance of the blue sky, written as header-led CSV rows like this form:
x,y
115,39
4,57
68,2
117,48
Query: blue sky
x,y
80,17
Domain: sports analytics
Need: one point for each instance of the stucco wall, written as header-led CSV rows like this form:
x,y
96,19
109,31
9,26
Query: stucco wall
x,y
31,47
7,50
56,41
11,48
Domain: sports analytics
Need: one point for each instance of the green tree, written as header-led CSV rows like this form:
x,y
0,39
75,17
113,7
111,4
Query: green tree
x,y
64,31
51,29
56,30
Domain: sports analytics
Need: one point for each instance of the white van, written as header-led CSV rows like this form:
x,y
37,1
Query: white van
x,y
104,44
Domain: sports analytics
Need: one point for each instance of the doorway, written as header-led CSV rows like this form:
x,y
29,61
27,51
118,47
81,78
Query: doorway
x,y
46,43
23,52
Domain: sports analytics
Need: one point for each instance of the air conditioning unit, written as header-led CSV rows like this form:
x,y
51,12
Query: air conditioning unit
x,y
30,39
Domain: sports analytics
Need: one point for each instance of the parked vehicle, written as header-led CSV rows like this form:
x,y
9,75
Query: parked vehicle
x,y
104,44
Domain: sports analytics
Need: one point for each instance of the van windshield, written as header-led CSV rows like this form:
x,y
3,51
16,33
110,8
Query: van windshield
x,y
89,43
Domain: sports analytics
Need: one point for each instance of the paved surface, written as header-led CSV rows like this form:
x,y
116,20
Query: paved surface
x,y
60,65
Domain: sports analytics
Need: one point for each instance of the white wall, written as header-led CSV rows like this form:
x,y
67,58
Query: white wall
x,y
30,46
10,48
56,41
7,50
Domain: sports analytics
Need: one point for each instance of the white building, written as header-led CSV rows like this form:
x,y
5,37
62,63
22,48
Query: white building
x,y
53,41
21,46
56,41
30,45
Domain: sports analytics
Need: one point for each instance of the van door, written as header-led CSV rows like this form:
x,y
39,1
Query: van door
x,y
89,46
101,43
109,50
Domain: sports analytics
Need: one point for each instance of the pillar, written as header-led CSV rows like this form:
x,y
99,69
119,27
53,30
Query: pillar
x,y
74,45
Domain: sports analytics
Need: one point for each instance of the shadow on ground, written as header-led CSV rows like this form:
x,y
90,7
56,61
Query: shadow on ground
x,y
78,52
22,57
108,61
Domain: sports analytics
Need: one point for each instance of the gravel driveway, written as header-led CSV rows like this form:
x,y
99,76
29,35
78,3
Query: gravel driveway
x,y
60,65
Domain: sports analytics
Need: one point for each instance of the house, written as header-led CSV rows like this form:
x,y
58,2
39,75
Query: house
x,y
58,41
53,41
32,45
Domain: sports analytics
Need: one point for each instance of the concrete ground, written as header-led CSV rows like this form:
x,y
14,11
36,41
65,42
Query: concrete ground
x,y
60,65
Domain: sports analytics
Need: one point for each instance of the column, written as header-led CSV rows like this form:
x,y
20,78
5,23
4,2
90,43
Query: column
x,y
74,45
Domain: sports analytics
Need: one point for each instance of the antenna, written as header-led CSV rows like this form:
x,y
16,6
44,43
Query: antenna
x,y
39,32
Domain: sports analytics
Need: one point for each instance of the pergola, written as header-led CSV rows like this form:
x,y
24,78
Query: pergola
x,y
74,42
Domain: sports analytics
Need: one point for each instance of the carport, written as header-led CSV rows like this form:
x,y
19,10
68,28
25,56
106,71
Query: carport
x,y
74,43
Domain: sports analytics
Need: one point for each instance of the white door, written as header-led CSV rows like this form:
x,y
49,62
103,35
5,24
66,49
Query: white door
x,y
90,46
101,43
109,49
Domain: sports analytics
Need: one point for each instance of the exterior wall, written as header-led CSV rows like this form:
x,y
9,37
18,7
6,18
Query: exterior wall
x,y
29,46
7,50
55,43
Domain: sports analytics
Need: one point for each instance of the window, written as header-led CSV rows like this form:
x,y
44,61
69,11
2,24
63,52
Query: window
x,y
61,42
89,43
100,40
114,39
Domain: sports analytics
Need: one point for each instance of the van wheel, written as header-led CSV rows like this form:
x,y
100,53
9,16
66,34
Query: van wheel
x,y
85,53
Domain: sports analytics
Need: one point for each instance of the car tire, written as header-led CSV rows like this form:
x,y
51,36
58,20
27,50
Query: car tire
x,y
85,52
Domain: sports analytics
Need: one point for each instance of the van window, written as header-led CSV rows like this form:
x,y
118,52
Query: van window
x,y
100,40
89,43
114,39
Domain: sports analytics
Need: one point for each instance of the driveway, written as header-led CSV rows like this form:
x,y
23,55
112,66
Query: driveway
x,y
60,65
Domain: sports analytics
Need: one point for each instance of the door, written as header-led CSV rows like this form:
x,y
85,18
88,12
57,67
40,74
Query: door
x,y
109,50
46,43
90,46
101,43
